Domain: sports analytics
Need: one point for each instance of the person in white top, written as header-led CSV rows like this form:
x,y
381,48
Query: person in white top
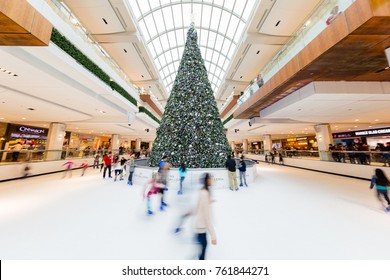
x,y
203,222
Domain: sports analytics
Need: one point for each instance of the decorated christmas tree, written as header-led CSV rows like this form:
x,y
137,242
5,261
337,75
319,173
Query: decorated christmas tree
x,y
191,131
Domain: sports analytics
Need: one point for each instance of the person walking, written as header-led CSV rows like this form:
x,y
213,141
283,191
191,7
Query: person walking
x,y
242,169
183,172
203,221
231,166
107,165
381,183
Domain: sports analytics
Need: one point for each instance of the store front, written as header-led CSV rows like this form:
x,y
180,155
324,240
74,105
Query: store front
x,y
299,143
371,138
22,138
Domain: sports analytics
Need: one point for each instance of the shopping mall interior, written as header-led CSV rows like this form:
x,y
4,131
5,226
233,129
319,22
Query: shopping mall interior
x,y
302,90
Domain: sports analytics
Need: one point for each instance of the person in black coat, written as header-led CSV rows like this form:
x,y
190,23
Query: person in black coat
x,y
231,166
242,168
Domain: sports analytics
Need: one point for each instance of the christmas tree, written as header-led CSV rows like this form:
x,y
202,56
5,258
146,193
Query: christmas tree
x,y
191,131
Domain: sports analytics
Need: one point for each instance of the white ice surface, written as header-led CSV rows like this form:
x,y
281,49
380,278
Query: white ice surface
x,y
286,214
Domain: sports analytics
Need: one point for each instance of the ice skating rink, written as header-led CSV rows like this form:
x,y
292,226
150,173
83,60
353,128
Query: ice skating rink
x,y
286,214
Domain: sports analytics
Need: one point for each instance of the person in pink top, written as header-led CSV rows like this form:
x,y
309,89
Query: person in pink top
x,y
68,168
152,187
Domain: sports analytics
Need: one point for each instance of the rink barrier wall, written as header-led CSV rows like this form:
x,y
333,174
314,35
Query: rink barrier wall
x,y
357,171
143,174
14,171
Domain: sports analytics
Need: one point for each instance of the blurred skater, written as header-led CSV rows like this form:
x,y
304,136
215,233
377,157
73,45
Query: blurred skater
x,y
84,166
152,187
131,168
183,172
381,183
163,179
68,168
26,171
203,223
281,161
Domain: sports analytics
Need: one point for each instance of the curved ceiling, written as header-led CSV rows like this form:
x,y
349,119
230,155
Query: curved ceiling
x,y
219,23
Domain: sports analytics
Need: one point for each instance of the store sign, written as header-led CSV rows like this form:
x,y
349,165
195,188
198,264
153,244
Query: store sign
x,y
26,129
301,138
369,132
291,139
373,132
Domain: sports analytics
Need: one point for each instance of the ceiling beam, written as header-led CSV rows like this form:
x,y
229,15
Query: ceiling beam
x,y
120,37
266,39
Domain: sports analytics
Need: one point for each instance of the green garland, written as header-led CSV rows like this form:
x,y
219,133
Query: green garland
x,y
228,119
62,42
146,111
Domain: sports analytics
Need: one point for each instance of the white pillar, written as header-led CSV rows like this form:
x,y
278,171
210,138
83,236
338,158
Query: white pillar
x,y
245,146
324,138
267,141
151,145
138,145
115,143
55,140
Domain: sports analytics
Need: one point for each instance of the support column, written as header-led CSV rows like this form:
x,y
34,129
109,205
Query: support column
x,y
324,138
267,141
138,145
245,146
151,145
55,140
115,143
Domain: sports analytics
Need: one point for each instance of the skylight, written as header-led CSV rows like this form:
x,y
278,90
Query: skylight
x,y
164,24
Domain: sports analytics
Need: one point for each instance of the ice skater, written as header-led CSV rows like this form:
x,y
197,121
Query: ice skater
x,y
84,166
152,187
68,168
163,179
381,183
242,169
203,222
182,172
131,168
281,161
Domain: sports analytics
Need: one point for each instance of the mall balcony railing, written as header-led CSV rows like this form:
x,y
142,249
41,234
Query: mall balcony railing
x,y
379,158
15,156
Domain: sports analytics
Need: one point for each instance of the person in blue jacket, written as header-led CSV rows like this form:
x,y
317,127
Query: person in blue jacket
x,y
381,183
183,172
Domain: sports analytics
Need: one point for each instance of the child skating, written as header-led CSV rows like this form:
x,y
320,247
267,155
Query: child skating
x,y
381,183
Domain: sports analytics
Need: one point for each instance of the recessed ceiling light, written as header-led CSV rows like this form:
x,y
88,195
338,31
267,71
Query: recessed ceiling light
x,y
23,118
355,126
356,120
376,120
370,126
1,118
349,129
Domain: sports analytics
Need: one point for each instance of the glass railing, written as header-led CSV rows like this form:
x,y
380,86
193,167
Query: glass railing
x,y
12,156
353,157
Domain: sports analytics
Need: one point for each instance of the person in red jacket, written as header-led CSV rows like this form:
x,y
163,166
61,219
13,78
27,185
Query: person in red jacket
x,y
107,165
